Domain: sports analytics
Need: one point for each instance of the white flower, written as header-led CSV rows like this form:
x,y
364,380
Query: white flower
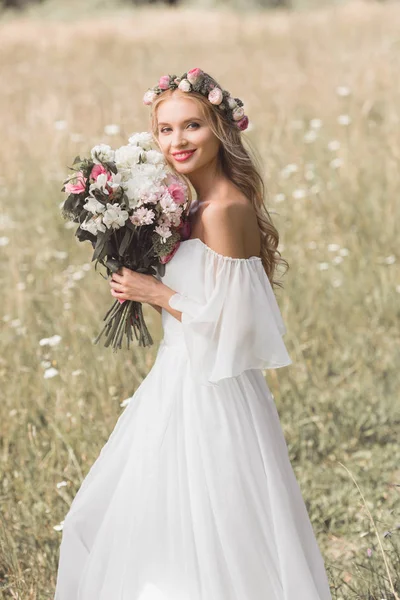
x,y
167,203
344,120
143,139
143,216
115,216
315,123
237,113
154,157
333,145
94,206
336,163
231,102
323,266
100,184
299,194
59,527
390,260
51,341
215,96
93,225
333,247
111,129
279,197
4,241
60,125
343,91
337,260
49,373
115,181
310,136
102,153
287,171
127,157
344,252
184,85
163,232
149,97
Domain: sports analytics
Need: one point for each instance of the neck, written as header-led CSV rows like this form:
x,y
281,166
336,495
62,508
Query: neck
x,y
206,179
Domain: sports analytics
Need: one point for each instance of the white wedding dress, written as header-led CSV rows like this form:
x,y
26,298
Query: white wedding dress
x,y
193,496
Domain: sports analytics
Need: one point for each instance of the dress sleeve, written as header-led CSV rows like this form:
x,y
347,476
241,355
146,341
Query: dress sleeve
x,y
239,325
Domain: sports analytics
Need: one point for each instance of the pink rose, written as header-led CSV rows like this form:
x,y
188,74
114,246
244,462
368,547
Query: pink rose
x,y
163,83
149,97
194,75
215,96
177,192
243,123
238,113
99,170
79,186
165,259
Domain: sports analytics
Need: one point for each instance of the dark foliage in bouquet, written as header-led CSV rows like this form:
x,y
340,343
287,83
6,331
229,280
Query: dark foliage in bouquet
x,y
133,210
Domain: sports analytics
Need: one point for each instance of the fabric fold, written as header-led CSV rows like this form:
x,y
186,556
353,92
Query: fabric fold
x,y
238,327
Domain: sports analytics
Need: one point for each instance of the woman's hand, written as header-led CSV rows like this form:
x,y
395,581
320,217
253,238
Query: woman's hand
x,y
130,285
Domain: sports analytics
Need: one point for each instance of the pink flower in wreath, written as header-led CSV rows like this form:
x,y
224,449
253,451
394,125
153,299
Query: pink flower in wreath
x,y
215,96
243,123
163,83
79,186
194,75
165,259
177,192
100,170
149,97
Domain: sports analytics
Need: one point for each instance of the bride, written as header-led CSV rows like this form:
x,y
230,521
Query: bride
x,y
193,496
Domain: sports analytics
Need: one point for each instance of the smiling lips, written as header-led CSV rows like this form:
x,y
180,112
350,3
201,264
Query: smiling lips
x,y
181,156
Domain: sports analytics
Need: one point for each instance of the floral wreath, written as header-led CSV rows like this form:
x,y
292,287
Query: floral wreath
x,y
197,80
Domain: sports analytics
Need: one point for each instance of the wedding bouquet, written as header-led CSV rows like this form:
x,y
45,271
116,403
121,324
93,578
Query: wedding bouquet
x,y
134,212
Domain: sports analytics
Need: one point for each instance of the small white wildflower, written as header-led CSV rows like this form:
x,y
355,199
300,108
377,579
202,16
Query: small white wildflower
x,y
288,170
76,372
76,137
67,305
310,136
60,125
344,252
51,341
333,247
59,527
336,163
61,255
312,245
344,120
45,364
279,197
323,266
78,275
61,484
337,282
21,286
315,123
49,373
114,216
334,145
309,175
337,260
299,193
143,139
15,323
342,91
390,260
4,241
112,129
102,153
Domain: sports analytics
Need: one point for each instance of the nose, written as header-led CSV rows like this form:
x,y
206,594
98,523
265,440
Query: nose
x,y
178,139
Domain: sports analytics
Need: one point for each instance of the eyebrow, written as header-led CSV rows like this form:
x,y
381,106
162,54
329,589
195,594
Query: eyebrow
x,y
185,121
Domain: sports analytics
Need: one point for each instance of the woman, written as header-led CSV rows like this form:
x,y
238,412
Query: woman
x,y
193,497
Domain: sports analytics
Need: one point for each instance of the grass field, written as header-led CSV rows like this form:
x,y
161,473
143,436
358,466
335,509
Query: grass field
x,y
323,93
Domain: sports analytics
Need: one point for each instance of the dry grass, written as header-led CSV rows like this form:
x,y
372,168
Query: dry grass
x,y
62,82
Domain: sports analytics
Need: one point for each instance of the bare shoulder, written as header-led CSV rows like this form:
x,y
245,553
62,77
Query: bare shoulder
x,y
231,228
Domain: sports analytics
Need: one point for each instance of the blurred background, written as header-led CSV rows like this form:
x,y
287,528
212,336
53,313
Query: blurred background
x,y
320,82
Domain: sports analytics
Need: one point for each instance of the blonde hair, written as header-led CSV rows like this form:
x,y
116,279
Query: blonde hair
x,y
238,165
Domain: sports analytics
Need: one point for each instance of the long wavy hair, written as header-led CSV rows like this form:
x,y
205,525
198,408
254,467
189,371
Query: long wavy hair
x,y
239,166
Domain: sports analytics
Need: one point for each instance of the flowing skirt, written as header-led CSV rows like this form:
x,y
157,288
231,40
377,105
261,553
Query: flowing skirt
x,y
193,497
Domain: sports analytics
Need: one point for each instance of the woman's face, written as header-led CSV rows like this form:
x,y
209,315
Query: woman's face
x,y
184,135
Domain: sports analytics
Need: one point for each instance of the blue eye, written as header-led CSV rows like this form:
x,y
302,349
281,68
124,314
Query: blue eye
x,y
196,124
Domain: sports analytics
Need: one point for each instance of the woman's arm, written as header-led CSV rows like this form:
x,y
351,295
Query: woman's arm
x,y
130,285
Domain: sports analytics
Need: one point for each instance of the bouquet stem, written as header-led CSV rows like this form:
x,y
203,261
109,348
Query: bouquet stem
x,y
121,319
